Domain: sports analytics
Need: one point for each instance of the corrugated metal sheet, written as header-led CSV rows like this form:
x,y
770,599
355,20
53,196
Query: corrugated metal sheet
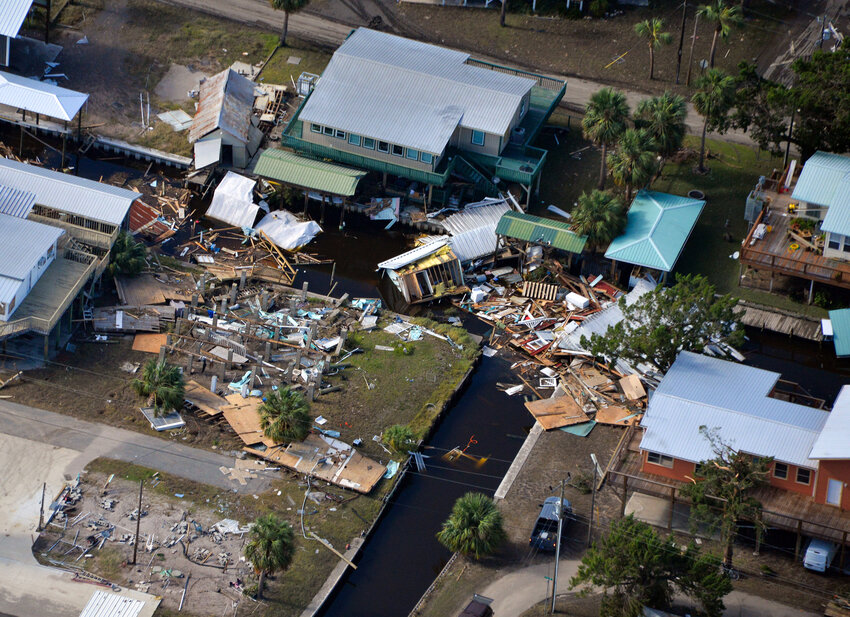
x,y
473,229
226,102
15,202
837,219
233,201
658,227
834,440
841,332
820,178
12,16
22,244
538,230
307,173
108,604
702,391
39,97
413,255
376,83
93,200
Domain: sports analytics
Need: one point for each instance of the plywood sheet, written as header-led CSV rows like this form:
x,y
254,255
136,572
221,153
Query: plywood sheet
x,y
149,343
201,397
616,415
554,413
593,378
140,290
244,419
632,387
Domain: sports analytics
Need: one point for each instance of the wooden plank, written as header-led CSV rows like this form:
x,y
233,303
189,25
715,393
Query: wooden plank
x,y
556,412
199,396
149,343
615,415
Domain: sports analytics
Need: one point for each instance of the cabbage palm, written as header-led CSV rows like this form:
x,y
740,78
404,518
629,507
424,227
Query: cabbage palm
x,y
474,528
162,384
270,548
663,117
127,256
600,216
605,118
287,6
633,162
285,416
652,31
723,17
712,100
399,438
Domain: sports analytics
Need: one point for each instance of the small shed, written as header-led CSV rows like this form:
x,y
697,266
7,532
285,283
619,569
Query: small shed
x,y
305,173
658,227
225,128
840,322
427,272
539,231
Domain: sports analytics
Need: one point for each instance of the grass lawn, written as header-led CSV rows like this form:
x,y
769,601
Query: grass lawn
x,y
279,71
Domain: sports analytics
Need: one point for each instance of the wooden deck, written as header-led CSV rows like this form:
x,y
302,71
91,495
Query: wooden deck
x,y
774,251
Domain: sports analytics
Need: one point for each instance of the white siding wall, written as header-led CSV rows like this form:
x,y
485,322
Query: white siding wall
x,y
29,282
842,251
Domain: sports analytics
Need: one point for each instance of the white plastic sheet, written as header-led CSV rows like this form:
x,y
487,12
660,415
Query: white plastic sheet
x,y
287,231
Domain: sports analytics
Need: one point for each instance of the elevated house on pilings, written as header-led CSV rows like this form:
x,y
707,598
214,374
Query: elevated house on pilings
x,y
426,114
65,226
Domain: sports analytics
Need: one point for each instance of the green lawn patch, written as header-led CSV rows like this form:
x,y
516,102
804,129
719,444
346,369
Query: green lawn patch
x,y
278,70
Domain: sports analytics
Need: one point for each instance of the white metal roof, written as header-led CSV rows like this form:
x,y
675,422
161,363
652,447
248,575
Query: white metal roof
x,y
473,229
108,604
732,398
87,198
233,201
414,255
39,97
12,16
376,83
834,439
15,202
22,244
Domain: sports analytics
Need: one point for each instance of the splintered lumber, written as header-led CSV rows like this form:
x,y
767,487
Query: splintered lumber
x,y
554,413
632,387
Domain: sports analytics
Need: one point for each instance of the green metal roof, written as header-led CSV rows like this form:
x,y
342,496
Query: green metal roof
x,y
538,230
657,229
841,332
289,168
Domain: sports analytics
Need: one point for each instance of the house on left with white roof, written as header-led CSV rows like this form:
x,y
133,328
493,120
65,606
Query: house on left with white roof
x,y
56,231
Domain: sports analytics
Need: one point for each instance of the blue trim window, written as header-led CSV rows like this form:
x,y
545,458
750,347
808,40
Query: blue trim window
x,y
413,154
340,134
316,128
328,131
353,139
368,142
398,150
426,157
477,138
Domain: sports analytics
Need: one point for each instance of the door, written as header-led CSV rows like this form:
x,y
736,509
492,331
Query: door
x,y
833,492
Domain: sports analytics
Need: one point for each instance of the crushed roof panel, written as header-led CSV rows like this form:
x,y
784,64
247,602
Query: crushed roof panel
x,y
658,227
290,168
39,97
473,229
226,101
539,230
414,255
376,82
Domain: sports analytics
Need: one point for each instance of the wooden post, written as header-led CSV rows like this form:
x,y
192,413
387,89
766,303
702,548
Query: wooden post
x,y
58,334
229,359
843,547
625,495
138,523
189,364
306,201
41,509
268,350
233,293
342,215
264,300
243,279
195,300
215,319
799,539
322,213
64,140
47,24
162,353
672,507
304,291
46,347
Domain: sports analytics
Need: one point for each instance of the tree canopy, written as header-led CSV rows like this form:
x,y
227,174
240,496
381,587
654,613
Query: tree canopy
x,y
721,494
270,548
668,320
162,384
285,416
474,528
724,16
600,216
636,567
663,117
605,119
819,98
633,162
127,256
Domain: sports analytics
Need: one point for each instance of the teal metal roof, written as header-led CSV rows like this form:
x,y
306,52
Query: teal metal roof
x,y
657,229
841,332
825,181
289,168
538,230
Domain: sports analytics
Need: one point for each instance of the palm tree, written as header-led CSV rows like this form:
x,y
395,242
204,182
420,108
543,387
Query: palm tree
x,y
604,121
474,528
502,13
287,6
285,416
271,547
633,162
399,438
600,216
127,256
651,30
162,384
663,117
723,17
712,100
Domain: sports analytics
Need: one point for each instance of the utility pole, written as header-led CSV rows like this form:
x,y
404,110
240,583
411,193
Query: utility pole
x,y
691,54
41,509
681,39
592,506
138,522
788,142
558,545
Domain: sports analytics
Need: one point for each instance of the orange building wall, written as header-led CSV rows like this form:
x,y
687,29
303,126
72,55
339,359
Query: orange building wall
x,y
791,484
838,470
679,470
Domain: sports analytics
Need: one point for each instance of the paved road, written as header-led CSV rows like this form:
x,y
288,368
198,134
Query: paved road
x,y
316,29
518,591
90,440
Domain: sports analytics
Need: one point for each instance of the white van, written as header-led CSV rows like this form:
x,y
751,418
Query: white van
x,y
819,555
